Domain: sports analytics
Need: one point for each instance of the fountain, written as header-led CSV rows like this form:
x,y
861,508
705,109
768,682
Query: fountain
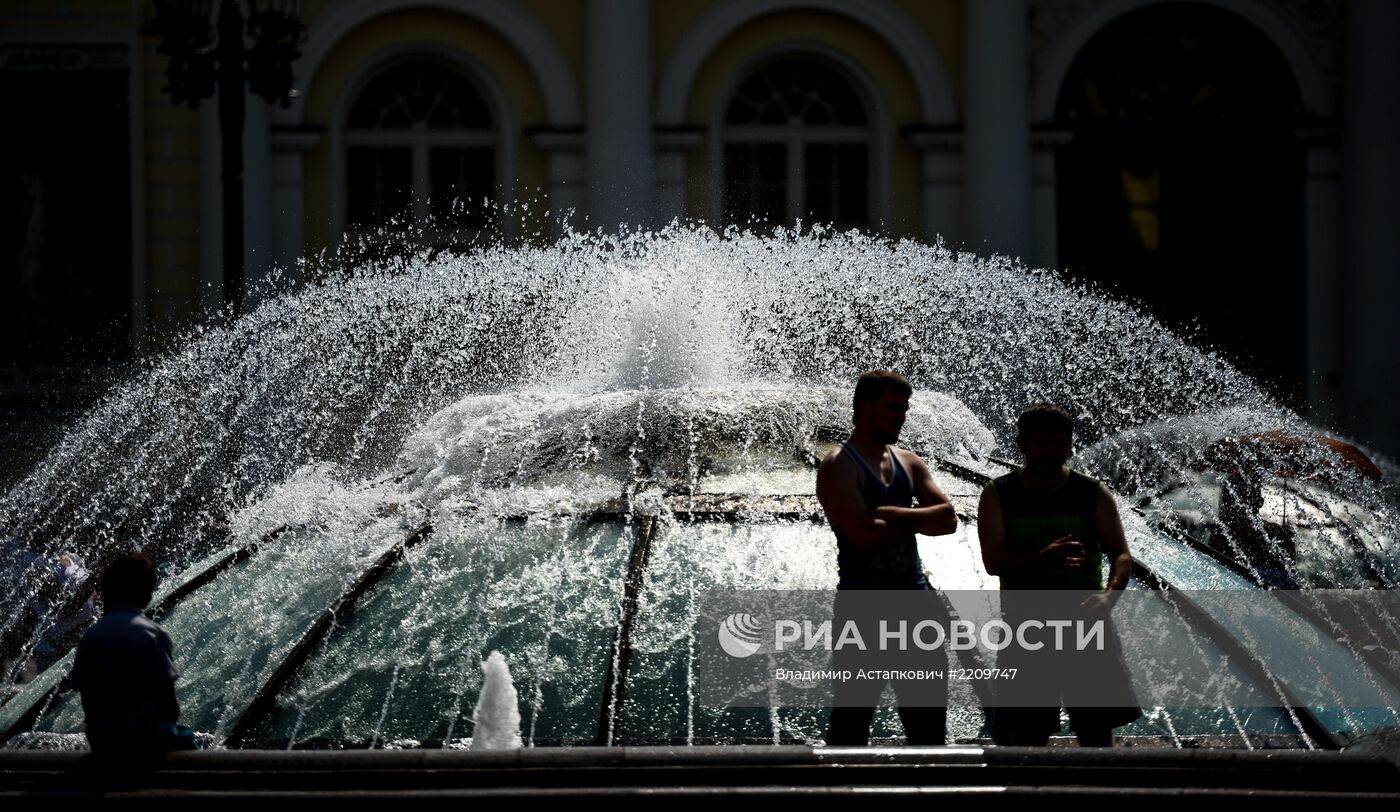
x,y
366,485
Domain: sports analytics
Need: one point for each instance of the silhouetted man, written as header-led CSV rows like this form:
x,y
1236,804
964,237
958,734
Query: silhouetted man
x,y
1045,527
125,672
867,487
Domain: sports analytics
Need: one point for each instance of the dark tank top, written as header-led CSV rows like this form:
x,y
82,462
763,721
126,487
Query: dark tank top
x,y
1034,518
891,566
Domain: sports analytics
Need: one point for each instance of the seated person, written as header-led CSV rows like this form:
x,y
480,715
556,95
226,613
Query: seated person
x,y
124,670
1242,531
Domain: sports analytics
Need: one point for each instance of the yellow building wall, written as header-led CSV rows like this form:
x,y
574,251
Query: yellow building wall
x,y
170,135
399,32
173,204
861,46
671,20
564,20
942,22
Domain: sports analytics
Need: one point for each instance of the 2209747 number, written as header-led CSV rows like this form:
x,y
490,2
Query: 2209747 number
x,y
981,673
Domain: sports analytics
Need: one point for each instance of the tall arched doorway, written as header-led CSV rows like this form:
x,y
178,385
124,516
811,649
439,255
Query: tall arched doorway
x,y
1181,188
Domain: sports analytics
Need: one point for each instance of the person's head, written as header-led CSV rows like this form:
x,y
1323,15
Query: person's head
x,y
880,403
1045,433
130,580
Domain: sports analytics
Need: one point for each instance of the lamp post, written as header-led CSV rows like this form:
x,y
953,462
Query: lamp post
x,y
199,67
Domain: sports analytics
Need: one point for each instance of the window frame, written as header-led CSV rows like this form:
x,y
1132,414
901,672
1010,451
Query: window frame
x,y
873,135
421,141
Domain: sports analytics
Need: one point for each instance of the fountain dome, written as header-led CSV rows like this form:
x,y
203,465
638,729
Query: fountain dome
x,y
366,486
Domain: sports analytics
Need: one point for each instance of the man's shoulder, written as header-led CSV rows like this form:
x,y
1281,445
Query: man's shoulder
x,y
835,460
904,455
1084,484
124,625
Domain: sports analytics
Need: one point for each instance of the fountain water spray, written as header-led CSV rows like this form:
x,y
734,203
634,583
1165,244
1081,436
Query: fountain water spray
x,y
507,392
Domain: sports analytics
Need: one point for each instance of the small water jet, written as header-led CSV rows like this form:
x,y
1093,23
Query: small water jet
x,y
497,717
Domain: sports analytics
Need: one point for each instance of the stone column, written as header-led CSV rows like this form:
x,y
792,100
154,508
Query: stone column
x,y
258,204
618,131
289,147
997,153
258,201
567,205
942,150
1321,289
211,212
1371,238
1045,205
672,144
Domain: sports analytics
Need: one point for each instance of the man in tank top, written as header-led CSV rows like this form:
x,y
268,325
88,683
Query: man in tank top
x,y
1046,527
867,487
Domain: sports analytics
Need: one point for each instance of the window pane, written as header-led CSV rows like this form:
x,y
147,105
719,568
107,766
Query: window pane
x,y
842,102
380,185
817,113
463,182
853,193
849,111
819,172
420,88
741,111
468,106
836,178
755,184
773,112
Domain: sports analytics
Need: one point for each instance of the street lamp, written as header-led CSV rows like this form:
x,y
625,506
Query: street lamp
x,y
197,68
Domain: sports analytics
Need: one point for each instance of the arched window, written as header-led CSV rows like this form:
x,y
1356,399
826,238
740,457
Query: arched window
x,y
420,152
796,141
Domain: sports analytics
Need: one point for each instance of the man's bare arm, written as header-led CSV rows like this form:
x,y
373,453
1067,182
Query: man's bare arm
x,y
935,515
1113,541
838,490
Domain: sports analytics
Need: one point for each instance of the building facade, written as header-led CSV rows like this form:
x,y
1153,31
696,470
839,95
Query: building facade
x,y
1226,164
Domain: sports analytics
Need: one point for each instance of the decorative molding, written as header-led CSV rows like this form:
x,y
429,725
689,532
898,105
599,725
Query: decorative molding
x,y
886,19
678,139
556,139
296,138
1048,21
926,138
1306,32
531,41
1321,22
1048,138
